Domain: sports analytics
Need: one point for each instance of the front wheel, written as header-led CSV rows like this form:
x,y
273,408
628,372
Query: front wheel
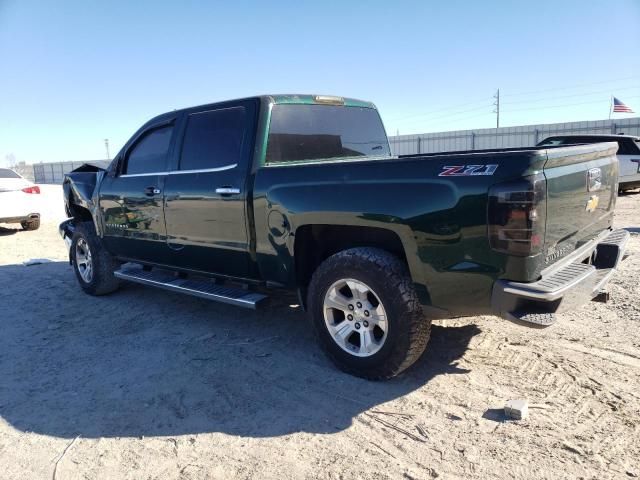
x,y
366,313
92,264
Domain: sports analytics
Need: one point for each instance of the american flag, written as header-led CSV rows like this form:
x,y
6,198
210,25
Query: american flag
x,y
618,106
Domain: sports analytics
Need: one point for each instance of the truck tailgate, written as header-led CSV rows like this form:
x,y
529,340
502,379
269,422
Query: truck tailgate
x,y
582,183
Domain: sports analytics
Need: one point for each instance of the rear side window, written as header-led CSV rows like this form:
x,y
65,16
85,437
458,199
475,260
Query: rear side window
x,y
6,173
550,142
570,140
628,147
213,139
150,152
317,132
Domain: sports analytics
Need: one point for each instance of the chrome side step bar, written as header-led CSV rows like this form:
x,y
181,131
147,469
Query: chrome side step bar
x,y
199,288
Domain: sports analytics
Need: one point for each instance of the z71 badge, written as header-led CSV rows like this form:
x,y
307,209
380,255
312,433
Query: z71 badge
x,y
467,170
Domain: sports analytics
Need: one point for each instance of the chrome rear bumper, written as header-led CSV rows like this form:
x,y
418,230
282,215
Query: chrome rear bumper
x,y
565,288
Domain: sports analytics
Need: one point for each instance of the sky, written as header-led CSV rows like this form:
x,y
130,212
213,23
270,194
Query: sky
x,y
73,73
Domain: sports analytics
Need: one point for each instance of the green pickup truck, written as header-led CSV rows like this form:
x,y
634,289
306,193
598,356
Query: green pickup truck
x,y
241,200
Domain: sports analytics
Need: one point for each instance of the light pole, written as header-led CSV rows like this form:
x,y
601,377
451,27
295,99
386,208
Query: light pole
x,y
106,145
497,110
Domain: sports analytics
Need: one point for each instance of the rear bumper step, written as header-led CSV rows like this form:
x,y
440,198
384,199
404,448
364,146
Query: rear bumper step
x,y
199,288
572,285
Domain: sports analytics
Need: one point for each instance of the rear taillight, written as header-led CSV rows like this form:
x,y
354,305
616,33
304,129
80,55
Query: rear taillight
x,y
517,216
34,189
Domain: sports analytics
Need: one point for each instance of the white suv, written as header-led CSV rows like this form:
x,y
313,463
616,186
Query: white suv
x,y
17,203
628,154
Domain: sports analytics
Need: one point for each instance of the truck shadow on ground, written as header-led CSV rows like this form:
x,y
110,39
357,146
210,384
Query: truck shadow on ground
x,y
144,362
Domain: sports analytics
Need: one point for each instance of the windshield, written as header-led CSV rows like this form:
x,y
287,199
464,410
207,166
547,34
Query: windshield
x,y
6,173
312,132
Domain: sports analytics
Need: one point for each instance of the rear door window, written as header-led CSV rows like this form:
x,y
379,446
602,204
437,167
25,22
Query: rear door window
x,y
149,154
213,139
6,173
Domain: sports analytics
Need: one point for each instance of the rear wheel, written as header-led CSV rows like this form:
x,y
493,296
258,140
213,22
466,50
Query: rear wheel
x,y
366,313
33,224
93,265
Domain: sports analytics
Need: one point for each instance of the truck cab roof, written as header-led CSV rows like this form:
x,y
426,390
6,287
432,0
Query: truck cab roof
x,y
278,99
272,99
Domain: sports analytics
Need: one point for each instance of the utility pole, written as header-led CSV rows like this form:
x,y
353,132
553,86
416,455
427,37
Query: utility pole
x,y
497,105
106,145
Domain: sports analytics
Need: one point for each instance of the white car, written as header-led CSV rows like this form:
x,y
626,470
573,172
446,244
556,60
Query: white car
x,y
628,154
17,202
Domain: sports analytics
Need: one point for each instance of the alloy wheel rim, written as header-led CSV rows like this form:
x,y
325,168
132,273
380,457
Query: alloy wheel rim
x,y
355,317
84,261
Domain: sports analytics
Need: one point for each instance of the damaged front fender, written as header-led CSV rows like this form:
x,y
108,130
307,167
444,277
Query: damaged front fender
x,y
80,187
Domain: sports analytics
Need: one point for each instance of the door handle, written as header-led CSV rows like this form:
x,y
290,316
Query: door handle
x,y
227,190
151,191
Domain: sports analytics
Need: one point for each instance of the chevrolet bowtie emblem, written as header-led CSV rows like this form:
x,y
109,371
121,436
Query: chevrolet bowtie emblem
x,y
592,203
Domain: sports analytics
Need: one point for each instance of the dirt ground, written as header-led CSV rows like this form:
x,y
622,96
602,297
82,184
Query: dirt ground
x,y
145,384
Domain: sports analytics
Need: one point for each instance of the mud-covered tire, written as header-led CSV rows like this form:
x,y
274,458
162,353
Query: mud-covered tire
x,y
102,281
33,224
407,327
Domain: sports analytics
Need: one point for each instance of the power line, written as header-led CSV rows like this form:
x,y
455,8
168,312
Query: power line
x,y
430,120
440,110
570,96
446,122
454,111
561,105
569,87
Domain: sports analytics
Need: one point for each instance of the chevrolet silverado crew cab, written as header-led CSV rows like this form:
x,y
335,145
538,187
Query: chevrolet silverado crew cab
x,y
241,200
628,154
